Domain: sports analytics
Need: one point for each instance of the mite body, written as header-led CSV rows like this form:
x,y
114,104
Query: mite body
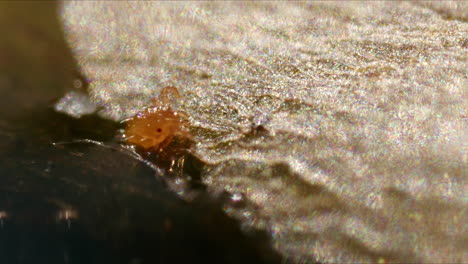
x,y
154,128
160,131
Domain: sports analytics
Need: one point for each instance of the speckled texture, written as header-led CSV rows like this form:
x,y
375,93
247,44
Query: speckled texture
x,y
344,123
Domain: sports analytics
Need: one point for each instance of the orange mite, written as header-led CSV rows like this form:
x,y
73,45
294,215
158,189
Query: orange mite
x,y
154,129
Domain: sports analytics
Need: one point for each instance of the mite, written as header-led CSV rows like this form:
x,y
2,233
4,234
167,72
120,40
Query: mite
x,y
154,130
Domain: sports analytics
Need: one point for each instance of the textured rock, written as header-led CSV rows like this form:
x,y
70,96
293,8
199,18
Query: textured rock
x,y
342,123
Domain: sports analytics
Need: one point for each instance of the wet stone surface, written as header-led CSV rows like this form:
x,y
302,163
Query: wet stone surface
x,y
335,128
341,124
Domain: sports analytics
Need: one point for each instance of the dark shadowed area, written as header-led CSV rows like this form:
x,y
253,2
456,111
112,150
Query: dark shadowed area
x,y
65,200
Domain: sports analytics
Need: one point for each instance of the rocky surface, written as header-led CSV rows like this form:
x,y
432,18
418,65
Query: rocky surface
x,y
341,124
